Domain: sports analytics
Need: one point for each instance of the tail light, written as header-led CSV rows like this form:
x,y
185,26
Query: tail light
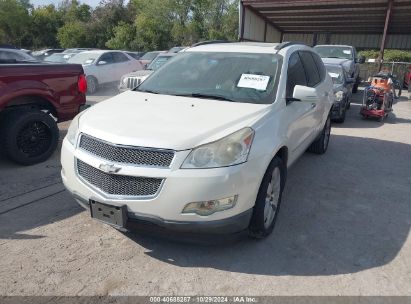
x,y
82,84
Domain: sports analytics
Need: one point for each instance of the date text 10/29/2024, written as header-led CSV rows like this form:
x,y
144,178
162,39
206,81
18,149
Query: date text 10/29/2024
x,y
203,299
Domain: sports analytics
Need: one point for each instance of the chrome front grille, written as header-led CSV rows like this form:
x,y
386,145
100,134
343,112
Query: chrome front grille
x,y
120,185
126,154
133,82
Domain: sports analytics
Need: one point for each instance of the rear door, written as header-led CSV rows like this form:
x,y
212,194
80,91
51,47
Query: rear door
x,y
316,74
122,65
299,114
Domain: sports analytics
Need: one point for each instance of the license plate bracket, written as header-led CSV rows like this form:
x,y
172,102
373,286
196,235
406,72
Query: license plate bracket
x,y
113,215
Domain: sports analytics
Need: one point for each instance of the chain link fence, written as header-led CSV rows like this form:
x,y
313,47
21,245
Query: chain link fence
x,y
399,69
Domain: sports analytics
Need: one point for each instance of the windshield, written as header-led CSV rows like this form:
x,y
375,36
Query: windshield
x,y
150,55
238,77
334,52
84,58
158,62
336,74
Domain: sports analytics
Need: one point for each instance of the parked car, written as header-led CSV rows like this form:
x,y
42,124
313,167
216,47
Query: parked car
x,y
177,49
42,54
342,91
59,57
203,146
148,57
132,80
135,55
9,55
33,98
77,50
407,79
343,54
104,67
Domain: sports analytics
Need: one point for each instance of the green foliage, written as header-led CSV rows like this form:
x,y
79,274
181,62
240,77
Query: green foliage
x,y
73,34
139,25
389,55
14,22
124,37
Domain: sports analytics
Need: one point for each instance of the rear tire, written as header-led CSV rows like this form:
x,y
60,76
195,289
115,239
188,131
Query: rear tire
x,y
267,204
320,145
28,137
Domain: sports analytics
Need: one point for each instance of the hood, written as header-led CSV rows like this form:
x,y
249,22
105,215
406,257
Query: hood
x,y
346,63
139,73
164,121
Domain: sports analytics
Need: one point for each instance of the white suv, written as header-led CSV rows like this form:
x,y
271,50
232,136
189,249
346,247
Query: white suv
x,y
204,143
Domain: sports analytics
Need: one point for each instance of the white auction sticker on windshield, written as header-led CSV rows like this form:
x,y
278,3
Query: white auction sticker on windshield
x,y
252,81
348,52
334,75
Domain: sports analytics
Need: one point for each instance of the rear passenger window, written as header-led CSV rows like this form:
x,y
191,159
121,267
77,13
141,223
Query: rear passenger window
x,y
295,74
320,66
311,70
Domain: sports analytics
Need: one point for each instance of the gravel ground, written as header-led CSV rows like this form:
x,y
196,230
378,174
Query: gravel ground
x,y
343,230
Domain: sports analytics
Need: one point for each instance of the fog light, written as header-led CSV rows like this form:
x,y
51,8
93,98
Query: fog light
x,y
212,206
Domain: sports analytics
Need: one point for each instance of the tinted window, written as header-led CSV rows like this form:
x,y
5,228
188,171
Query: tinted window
x,y
10,55
107,57
119,57
295,74
311,70
320,65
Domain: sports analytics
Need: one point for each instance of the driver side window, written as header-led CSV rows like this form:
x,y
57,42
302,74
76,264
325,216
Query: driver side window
x,y
107,57
295,74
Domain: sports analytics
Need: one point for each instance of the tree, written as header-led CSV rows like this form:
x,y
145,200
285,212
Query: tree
x,y
73,34
14,22
45,22
124,37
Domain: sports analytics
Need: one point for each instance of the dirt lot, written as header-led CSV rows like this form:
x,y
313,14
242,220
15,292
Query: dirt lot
x,y
343,230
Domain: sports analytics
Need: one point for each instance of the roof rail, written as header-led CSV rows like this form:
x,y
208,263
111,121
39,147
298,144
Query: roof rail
x,y
282,45
210,42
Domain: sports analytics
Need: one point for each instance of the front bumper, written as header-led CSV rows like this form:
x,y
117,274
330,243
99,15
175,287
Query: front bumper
x,y
181,186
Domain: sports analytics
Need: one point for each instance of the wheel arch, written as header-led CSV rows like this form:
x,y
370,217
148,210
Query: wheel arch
x,y
33,102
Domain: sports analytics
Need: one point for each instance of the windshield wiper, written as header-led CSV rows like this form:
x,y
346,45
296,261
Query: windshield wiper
x,y
203,95
146,91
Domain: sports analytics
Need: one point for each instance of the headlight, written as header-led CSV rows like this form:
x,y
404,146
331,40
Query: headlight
x,y
209,207
124,80
339,95
73,130
228,151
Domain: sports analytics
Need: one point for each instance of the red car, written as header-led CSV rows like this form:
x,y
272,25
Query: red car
x,y
407,79
33,98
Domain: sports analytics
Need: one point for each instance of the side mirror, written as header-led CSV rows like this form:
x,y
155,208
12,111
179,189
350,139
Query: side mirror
x,y
102,62
360,59
350,80
146,66
303,93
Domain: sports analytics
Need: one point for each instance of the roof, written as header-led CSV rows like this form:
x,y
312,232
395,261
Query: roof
x,y
336,16
251,47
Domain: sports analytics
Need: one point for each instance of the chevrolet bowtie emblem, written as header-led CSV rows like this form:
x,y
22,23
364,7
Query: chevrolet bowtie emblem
x,y
109,168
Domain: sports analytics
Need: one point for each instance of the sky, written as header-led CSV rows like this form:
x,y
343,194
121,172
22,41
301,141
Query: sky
x,y
92,3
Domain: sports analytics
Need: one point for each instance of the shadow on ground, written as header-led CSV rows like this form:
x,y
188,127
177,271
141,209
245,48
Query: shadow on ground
x,y
343,212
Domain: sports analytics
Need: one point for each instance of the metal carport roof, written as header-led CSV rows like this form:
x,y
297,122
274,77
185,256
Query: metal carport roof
x,y
336,16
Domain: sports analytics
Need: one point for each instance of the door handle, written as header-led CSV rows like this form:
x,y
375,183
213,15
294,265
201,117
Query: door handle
x,y
313,105
326,94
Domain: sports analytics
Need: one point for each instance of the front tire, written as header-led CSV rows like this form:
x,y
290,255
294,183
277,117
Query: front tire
x,y
28,137
92,85
268,200
320,145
